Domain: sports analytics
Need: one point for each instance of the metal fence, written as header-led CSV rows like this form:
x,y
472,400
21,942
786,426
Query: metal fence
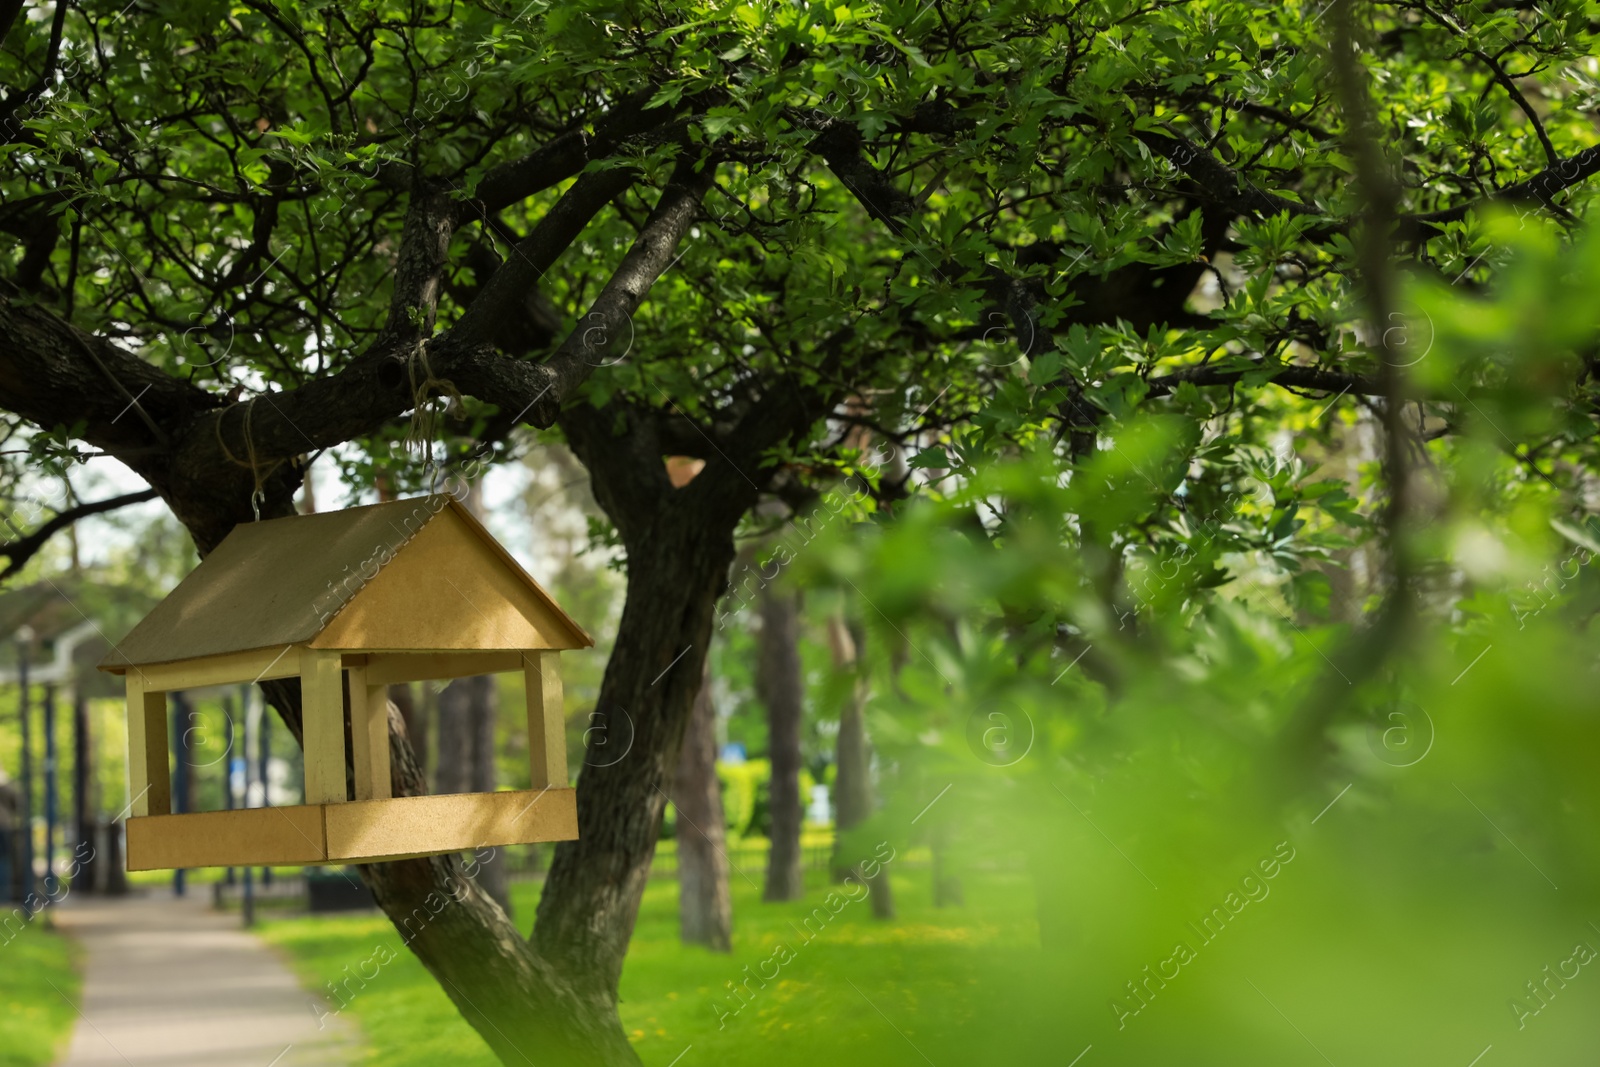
x,y
526,864
751,859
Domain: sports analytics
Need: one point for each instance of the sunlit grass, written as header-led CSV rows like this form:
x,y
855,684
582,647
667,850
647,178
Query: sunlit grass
x,y
37,978
675,996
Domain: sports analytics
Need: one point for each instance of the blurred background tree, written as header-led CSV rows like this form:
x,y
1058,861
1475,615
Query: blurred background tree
x,y
1228,368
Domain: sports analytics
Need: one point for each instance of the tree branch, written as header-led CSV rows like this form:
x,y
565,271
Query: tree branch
x,y
378,385
1541,188
491,310
1290,375
1223,184
603,335
17,553
53,374
554,163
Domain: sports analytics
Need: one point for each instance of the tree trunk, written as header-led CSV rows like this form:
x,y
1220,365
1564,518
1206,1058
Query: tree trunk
x,y
452,773
82,806
483,702
466,764
852,782
405,701
780,686
705,906
675,575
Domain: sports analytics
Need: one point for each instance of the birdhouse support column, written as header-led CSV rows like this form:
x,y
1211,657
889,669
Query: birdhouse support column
x,y
547,720
149,778
322,721
369,736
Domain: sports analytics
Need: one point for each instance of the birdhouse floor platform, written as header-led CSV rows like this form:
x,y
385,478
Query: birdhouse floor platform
x,y
358,831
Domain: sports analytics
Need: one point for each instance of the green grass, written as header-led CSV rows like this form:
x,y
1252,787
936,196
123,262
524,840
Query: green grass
x,y
35,1020
669,991
1417,973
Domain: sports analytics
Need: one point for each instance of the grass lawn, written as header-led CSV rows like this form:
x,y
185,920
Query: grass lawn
x,y
834,975
34,1019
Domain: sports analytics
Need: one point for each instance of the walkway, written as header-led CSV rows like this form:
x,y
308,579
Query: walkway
x,y
169,981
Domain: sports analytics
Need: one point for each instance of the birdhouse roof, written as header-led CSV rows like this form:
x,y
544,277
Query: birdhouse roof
x,y
408,575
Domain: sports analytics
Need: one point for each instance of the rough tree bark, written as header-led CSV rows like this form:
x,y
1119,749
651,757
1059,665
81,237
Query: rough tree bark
x,y
705,905
780,686
467,708
852,786
452,769
483,703
550,998
679,546
853,760
405,701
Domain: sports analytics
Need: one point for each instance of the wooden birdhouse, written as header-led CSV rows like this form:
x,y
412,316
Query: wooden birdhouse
x,y
349,602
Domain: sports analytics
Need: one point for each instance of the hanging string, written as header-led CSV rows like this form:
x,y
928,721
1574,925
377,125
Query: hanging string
x,y
424,416
260,474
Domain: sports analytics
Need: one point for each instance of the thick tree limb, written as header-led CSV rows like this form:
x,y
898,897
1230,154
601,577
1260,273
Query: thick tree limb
x,y
53,374
491,310
1228,188
419,269
604,334
563,157
1291,375
1541,188
1220,183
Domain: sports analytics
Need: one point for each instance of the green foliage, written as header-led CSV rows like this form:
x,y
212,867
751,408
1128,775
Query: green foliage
x,y
740,784
1141,605
747,796
1119,675
1021,129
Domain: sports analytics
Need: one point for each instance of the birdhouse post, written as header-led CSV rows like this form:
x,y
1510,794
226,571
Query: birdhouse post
x,y
349,602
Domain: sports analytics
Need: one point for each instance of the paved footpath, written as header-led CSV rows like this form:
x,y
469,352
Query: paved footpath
x,y
169,981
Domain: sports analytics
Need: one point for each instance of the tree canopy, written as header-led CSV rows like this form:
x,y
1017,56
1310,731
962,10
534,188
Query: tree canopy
x,y
1141,300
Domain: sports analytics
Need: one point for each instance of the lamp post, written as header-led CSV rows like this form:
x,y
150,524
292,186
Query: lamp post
x,y
227,772
263,753
249,908
24,647
83,836
50,761
180,773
